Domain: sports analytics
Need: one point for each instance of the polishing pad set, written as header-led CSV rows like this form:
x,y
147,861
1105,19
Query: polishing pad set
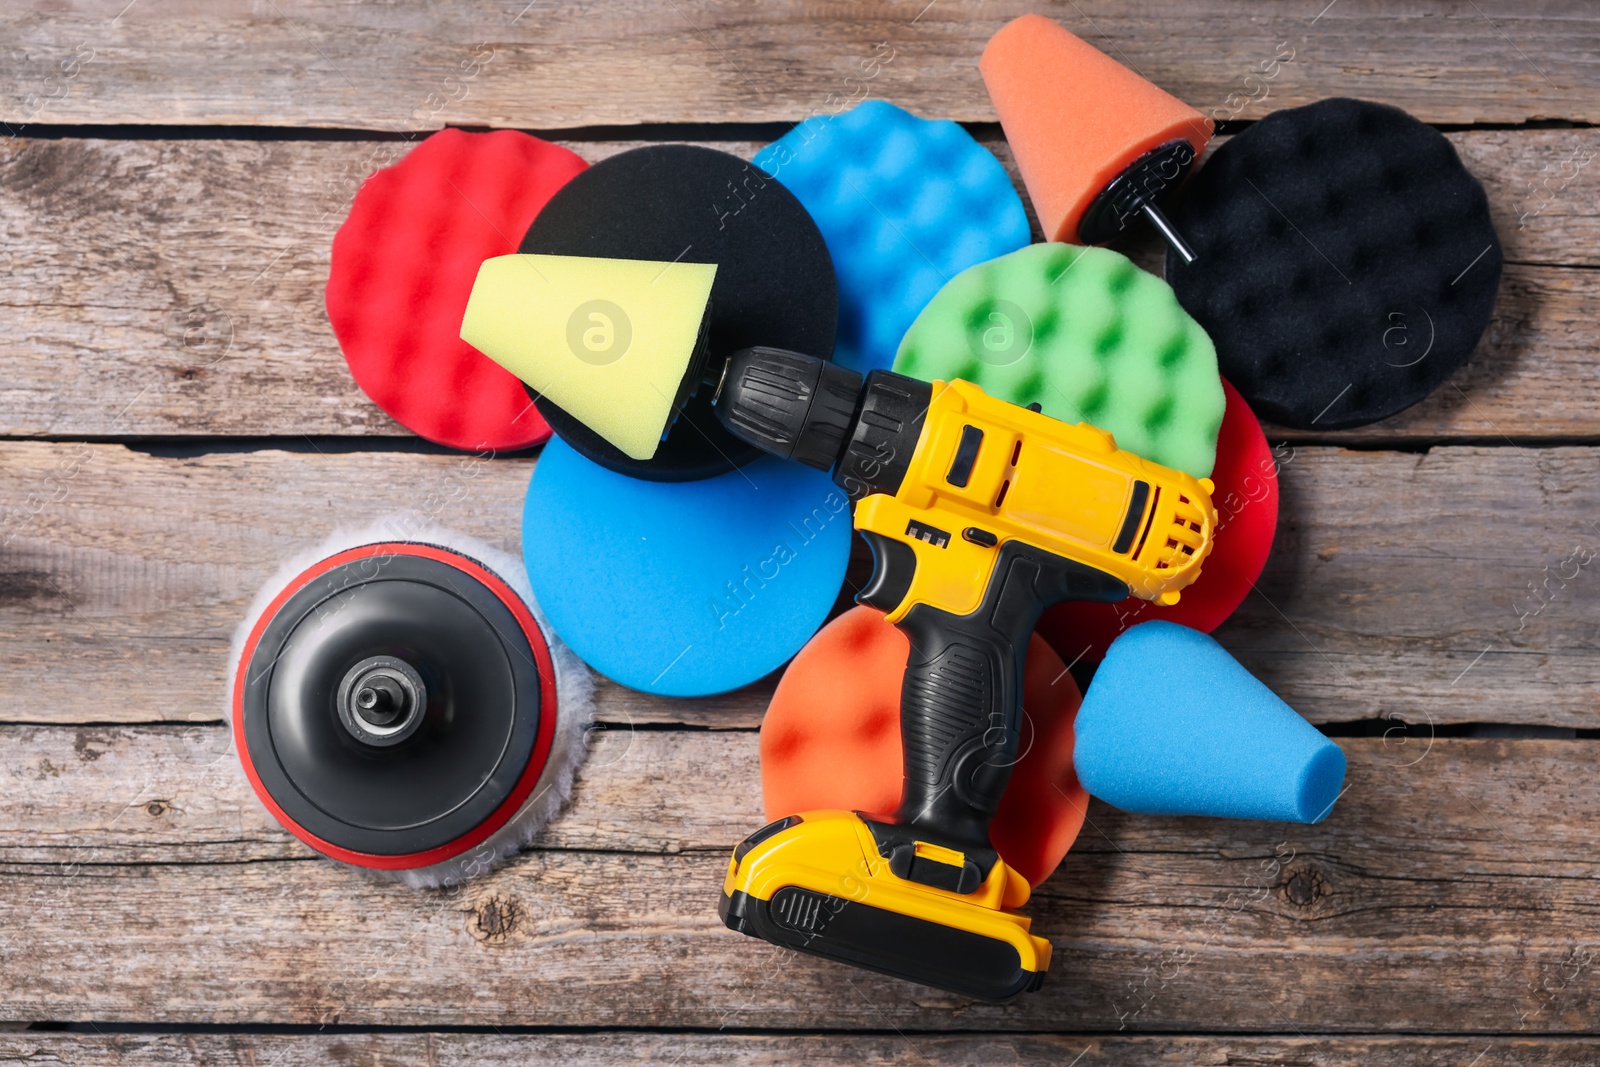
x,y
416,704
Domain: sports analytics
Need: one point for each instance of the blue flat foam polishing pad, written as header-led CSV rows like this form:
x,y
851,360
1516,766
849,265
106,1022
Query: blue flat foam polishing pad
x,y
904,204
1173,725
689,588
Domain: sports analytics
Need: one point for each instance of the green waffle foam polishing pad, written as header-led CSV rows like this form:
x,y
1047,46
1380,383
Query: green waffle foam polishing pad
x,y
1087,336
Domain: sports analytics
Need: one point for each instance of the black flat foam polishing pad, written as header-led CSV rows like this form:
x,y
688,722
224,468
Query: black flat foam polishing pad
x,y
679,203
1345,262
469,696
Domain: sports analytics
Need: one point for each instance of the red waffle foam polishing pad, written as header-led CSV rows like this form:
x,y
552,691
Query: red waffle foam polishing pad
x,y
831,739
1246,499
403,266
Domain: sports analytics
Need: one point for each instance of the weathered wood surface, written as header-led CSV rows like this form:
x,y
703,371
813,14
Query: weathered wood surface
x,y
1453,892
171,794
763,1050
129,313
173,288
1456,584
540,65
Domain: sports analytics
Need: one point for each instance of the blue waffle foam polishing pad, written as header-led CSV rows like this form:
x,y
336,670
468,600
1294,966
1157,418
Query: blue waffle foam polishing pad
x,y
904,204
687,588
1173,725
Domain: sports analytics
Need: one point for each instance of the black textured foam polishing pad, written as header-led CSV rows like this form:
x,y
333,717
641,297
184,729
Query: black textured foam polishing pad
x,y
678,203
1346,264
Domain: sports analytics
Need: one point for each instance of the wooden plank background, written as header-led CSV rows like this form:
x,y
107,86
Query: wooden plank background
x,y
174,413
561,65
138,316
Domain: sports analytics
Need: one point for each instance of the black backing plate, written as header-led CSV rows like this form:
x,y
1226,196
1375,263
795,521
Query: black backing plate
x,y
680,203
471,750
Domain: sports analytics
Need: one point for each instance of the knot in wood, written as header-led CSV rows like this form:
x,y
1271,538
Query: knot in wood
x,y
1304,886
494,919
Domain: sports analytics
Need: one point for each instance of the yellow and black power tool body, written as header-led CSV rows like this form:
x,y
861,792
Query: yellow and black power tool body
x,y
980,514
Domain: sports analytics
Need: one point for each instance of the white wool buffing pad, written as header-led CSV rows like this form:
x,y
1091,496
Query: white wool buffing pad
x,y
399,704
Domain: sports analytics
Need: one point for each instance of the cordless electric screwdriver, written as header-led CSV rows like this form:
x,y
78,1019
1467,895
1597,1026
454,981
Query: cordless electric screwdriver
x,y
980,514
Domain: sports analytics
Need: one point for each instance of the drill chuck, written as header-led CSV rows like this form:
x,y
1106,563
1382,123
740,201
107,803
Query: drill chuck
x,y
791,405
819,413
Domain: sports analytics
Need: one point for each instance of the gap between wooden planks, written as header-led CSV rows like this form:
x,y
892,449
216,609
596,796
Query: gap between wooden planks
x,y
132,314
1436,587
1451,891
547,66
765,1050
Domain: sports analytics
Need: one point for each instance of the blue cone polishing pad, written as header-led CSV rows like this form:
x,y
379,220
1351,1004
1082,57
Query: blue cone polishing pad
x,y
1346,264
684,589
905,204
1173,725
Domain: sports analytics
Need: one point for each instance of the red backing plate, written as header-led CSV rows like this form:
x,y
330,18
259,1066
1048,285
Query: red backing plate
x,y
541,746
1246,498
403,266
831,739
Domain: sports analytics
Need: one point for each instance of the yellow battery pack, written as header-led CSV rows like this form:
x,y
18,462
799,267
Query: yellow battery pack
x,y
843,886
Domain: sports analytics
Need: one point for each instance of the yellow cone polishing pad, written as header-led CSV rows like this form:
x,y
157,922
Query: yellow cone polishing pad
x,y
609,340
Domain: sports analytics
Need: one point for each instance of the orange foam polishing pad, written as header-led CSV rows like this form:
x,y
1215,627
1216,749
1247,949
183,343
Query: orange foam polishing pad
x,y
831,739
1075,117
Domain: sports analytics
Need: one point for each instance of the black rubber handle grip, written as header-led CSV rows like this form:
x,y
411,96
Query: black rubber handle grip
x,y
961,700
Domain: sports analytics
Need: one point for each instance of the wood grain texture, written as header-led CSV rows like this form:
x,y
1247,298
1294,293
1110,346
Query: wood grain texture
x,y
1456,584
547,66
131,314
172,287
766,1050
1453,893
171,794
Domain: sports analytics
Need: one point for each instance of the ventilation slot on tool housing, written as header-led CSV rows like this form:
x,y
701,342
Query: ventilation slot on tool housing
x,y
1184,536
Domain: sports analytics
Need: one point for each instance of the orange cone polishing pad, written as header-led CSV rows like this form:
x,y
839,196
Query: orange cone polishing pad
x,y
1098,145
831,739
398,705
403,264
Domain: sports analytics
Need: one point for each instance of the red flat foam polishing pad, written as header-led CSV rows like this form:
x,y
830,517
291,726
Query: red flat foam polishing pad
x,y
403,266
831,739
1246,498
